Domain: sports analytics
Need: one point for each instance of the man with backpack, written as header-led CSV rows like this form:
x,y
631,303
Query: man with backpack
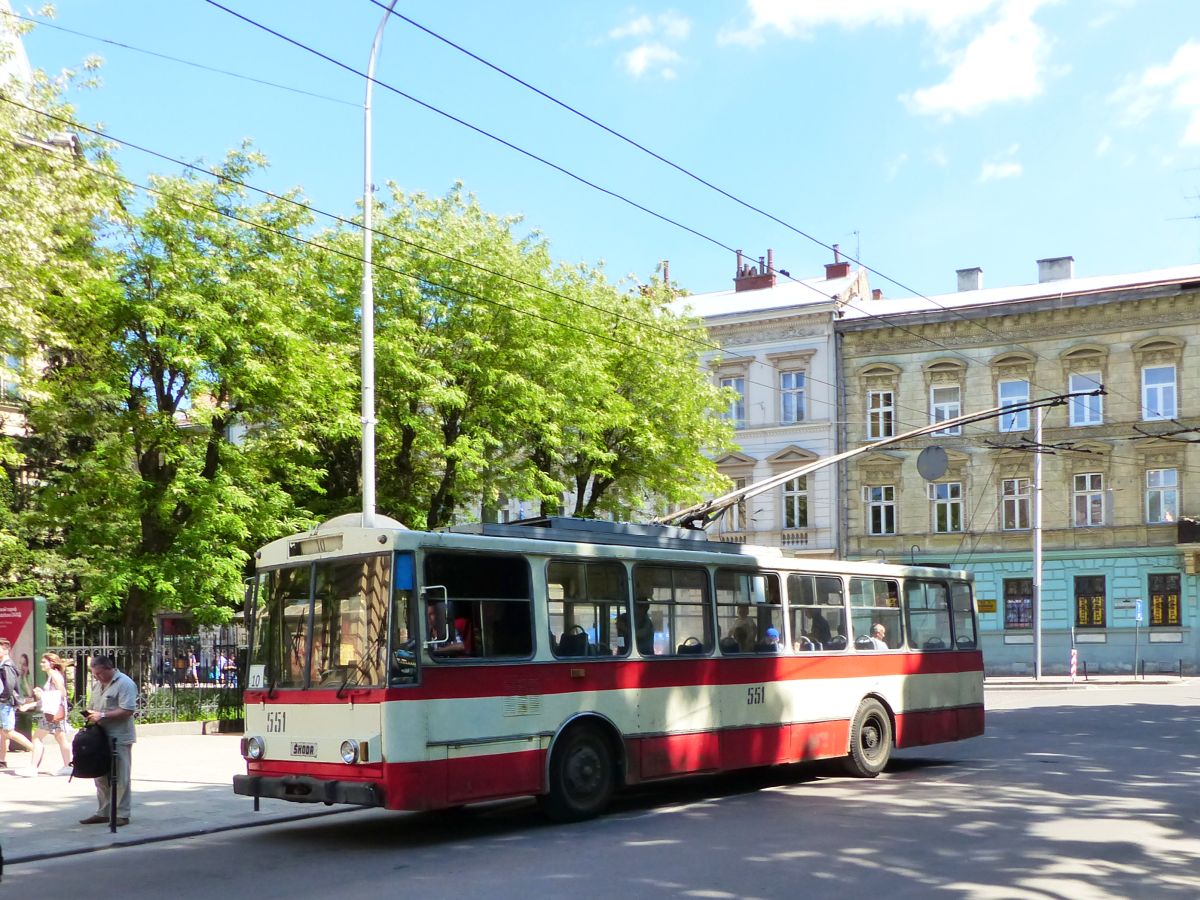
x,y
112,705
10,699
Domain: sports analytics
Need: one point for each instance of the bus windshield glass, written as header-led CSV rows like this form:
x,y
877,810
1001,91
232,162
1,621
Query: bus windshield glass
x,y
323,625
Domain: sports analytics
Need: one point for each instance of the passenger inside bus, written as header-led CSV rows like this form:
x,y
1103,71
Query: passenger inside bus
x,y
444,638
743,629
819,631
643,627
878,637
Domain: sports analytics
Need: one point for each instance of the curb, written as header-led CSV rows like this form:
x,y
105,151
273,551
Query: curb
x,y
177,835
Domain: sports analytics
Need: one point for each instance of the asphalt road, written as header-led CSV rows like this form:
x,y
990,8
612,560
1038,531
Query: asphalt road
x,y
1085,793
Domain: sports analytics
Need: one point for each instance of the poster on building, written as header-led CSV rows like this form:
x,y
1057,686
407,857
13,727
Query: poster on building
x,y
19,621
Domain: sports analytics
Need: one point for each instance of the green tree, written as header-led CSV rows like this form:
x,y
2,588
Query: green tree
x,y
190,376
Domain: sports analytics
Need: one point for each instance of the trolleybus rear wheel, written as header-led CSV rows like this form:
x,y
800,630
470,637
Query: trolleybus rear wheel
x,y
870,740
582,776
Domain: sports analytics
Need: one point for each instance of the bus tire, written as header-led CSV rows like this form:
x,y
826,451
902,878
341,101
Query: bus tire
x,y
582,775
870,740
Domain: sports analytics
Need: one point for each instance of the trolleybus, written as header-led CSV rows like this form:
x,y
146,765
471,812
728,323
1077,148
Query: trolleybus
x,y
564,658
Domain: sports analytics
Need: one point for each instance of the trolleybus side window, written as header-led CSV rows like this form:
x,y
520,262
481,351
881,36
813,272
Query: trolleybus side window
x,y
875,614
749,613
927,607
404,624
589,608
479,605
350,601
964,616
818,612
672,611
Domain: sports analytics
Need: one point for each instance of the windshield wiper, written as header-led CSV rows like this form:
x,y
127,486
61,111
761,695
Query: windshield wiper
x,y
271,690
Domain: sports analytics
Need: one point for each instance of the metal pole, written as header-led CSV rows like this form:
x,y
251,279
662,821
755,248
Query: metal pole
x,y
367,300
1037,544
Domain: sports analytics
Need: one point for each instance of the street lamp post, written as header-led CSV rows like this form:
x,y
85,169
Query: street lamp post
x,y
367,300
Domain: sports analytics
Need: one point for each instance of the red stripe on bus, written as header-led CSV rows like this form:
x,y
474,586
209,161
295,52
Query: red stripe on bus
x,y
447,681
432,784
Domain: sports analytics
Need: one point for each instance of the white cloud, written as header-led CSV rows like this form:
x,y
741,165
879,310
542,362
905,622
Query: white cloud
x,y
938,157
1006,61
1004,58
1175,85
1002,166
654,35
895,165
647,56
1103,145
799,18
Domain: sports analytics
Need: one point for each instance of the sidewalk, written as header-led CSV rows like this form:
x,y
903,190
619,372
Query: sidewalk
x,y
182,785
1059,682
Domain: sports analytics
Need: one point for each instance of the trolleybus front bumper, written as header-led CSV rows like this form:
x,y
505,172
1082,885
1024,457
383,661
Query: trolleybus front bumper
x,y
303,789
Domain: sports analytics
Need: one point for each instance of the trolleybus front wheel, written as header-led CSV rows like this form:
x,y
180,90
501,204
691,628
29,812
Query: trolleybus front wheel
x,y
582,776
870,740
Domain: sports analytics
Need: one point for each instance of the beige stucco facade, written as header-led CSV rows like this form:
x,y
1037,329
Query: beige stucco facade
x,y
1117,470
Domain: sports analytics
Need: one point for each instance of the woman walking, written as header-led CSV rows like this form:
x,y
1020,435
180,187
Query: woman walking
x,y
53,720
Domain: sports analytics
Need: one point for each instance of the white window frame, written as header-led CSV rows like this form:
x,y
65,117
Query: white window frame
x,y
736,412
1087,500
792,387
1012,392
947,512
734,518
880,500
941,410
1016,495
881,414
795,503
1085,410
1162,496
1159,399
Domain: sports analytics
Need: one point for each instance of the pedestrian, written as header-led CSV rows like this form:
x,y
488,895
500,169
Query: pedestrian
x,y
53,721
10,698
111,705
193,667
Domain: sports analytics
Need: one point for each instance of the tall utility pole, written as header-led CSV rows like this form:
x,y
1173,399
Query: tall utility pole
x,y
1037,543
367,301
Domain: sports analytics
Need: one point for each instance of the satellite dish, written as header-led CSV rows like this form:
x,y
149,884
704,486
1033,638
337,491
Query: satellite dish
x,y
932,463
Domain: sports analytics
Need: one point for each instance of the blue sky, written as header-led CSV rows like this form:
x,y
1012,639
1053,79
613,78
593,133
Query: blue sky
x,y
922,136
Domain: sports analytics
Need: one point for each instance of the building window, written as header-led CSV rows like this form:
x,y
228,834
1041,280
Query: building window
x,y
1162,496
1086,410
947,507
1014,509
881,508
1089,601
1089,499
1158,392
1014,393
734,518
795,503
736,412
1164,600
1018,602
791,397
945,403
10,377
881,414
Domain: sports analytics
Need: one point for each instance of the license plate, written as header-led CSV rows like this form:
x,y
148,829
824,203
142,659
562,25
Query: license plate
x,y
302,749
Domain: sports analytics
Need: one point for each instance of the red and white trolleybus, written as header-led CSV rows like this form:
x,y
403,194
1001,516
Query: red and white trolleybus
x,y
564,658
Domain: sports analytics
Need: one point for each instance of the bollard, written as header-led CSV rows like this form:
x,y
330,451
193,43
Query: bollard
x,y
1181,670
1085,678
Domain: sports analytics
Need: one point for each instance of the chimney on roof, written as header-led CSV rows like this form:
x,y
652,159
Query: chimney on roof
x,y
1057,268
753,278
876,293
839,268
970,279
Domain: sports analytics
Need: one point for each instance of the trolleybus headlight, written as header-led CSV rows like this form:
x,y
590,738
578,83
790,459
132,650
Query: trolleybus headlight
x,y
349,752
255,748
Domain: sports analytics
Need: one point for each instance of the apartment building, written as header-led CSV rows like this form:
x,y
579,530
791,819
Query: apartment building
x,y
1119,469
777,358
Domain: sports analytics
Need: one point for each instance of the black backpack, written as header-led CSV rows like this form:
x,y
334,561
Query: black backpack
x,y
10,682
91,752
